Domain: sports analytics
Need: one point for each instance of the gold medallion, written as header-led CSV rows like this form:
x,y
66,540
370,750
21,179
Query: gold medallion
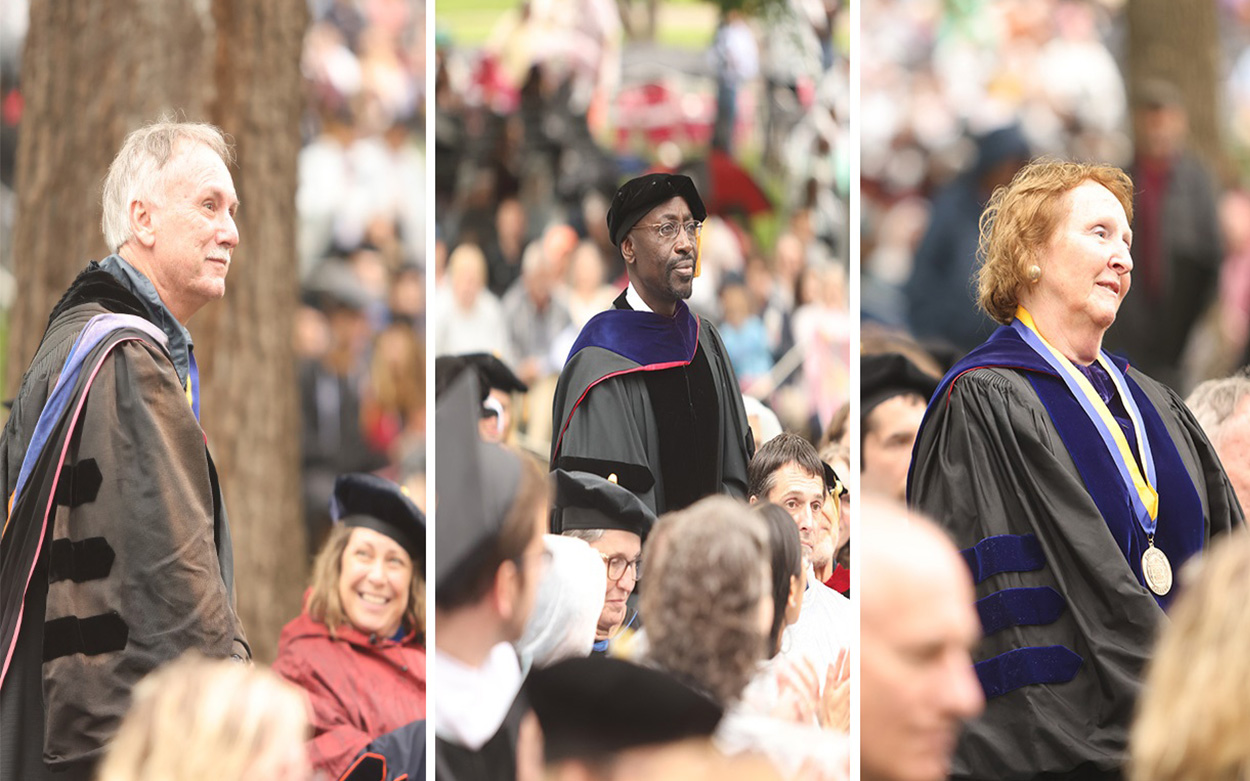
x,y
1157,570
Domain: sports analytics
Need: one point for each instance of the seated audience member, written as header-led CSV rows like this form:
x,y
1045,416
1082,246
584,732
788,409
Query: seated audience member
x,y
917,630
787,471
197,718
615,523
1222,408
358,647
568,607
492,512
1194,713
895,394
708,604
610,720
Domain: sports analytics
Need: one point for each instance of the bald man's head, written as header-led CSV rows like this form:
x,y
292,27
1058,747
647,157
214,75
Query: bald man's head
x,y
917,630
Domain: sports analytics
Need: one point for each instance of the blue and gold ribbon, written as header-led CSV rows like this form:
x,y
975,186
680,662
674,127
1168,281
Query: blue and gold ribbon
x,y
1141,487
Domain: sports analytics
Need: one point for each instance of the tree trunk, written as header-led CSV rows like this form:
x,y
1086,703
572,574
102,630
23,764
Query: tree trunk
x,y
93,71
1179,43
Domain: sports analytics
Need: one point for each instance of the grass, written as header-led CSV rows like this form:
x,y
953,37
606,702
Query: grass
x,y
684,24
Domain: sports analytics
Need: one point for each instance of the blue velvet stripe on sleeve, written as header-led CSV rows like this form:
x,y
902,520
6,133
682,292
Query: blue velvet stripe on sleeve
x,y
1019,607
1004,553
1027,666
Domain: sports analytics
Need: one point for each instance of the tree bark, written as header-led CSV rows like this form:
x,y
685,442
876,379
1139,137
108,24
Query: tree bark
x,y
92,72
1179,43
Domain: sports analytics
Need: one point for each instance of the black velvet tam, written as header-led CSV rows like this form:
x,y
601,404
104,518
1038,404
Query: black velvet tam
x,y
376,503
584,500
594,707
639,196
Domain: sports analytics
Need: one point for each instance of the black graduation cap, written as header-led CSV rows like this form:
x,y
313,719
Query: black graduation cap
x,y
376,503
584,500
593,707
639,196
491,373
474,483
883,376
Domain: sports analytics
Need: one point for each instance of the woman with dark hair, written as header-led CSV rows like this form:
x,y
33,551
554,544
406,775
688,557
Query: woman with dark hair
x,y
786,557
358,647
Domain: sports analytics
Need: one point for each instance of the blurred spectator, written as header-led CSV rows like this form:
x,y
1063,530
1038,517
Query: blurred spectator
x,y
894,394
536,315
197,718
1222,408
468,318
918,632
743,334
940,296
331,387
1192,714
736,60
1177,248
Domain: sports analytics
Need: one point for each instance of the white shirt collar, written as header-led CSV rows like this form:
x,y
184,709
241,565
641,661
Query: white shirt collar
x,y
475,700
635,301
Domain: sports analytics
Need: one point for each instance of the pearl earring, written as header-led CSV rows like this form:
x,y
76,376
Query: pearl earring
x,y
1035,272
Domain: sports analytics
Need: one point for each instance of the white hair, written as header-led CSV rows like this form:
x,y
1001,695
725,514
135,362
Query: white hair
x,y
1214,401
135,174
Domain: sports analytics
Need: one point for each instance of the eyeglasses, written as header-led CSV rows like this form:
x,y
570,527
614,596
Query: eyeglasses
x,y
617,564
668,230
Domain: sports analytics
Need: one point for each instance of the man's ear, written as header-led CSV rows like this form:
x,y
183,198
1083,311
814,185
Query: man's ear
x,y
627,249
141,226
507,586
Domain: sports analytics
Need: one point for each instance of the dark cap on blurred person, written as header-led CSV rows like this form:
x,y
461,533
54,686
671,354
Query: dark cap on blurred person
x,y
639,196
886,375
492,373
1157,93
376,503
593,707
584,500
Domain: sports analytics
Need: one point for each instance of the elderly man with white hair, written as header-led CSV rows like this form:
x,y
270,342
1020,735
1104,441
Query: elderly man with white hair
x,y
1222,408
117,554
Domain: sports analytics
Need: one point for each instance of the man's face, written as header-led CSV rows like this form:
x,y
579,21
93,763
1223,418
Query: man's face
x,y
917,632
625,547
533,567
890,432
802,494
493,426
193,230
662,270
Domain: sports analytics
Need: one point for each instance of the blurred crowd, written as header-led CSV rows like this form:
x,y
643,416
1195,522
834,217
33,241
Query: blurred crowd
x,y
957,97
360,329
531,144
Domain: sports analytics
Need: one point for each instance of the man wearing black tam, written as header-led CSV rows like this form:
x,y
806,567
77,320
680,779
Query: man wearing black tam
x,y
648,393
615,523
894,393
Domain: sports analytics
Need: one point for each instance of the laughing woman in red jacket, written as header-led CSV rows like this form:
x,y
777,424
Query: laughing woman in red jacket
x,y
358,647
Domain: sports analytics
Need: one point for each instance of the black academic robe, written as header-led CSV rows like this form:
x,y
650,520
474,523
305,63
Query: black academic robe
x,y
654,401
1004,464
494,761
116,553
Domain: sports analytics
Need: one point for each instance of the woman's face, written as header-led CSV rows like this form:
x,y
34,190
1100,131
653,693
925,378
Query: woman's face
x,y
1085,268
374,581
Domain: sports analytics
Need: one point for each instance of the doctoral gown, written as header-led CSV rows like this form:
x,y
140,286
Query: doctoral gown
x,y
607,410
1007,463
